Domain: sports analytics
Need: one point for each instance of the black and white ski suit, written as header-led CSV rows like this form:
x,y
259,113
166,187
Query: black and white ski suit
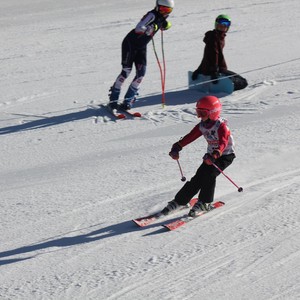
x,y
134,49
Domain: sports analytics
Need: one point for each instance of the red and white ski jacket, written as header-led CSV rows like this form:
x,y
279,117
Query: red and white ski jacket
x,y
216,133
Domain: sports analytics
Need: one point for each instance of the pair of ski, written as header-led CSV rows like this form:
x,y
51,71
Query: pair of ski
x,y
122,114
180,221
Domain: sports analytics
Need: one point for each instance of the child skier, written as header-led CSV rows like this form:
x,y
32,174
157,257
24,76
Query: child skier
x,y
134,50
220,151
213,63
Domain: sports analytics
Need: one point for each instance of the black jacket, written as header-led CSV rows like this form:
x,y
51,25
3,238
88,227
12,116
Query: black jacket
x,y
213,59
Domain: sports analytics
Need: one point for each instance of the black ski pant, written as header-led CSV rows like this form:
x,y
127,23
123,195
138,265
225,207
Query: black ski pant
x,y
133,55
204,181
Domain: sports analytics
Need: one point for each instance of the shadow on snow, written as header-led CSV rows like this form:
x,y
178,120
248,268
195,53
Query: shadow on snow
x,y
172,98
61,242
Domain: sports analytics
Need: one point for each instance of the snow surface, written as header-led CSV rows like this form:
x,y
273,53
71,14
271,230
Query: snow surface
x,y
72,178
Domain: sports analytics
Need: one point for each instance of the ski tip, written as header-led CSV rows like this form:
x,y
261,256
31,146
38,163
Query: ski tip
x,y
136,222
174,225
167,227
218,204
137,114
121,116
141,222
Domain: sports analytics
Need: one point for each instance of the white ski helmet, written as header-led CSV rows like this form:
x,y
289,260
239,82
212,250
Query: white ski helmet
x,y
167,3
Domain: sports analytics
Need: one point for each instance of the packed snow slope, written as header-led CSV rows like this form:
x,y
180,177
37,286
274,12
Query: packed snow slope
x,y
72,178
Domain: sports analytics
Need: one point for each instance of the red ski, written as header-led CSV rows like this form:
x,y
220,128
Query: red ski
x,y
186,219
147,220
134,114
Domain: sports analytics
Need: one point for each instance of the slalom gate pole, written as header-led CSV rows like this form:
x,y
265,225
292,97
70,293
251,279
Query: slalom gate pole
x,y
182,177
240,189
164,69
162,72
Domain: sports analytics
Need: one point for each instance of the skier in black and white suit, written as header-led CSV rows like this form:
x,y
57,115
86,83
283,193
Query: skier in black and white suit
x,y
134,51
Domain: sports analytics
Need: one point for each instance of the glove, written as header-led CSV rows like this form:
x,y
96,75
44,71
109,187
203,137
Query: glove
x,y
174,153
167,25
210,159
195,75
151,29
214,76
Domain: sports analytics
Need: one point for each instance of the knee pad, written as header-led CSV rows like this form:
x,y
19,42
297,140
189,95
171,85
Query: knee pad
x,y
140,73
121,78
135,84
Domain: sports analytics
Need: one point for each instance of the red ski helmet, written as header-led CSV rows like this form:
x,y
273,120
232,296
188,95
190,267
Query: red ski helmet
x,y
209,106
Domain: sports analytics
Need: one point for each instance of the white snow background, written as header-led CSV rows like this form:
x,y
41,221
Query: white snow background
x,y
72,178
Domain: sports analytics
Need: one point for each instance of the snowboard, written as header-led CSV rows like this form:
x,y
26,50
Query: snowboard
x,y
224,84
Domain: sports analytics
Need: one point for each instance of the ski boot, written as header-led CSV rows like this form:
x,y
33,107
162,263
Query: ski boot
x,y
172,206
126,105
129,99
198,207
114,94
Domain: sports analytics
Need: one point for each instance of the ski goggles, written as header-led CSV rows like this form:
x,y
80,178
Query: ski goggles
x,y
202,113
164,10
224,22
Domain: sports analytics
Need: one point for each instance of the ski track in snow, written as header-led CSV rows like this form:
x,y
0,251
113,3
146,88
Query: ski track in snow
x,y
157,271
242,102
72,178
246,242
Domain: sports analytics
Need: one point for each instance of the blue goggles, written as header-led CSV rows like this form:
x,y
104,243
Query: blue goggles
x,y
224,22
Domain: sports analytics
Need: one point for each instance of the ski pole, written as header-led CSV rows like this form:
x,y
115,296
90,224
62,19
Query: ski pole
x,y
240,189
162,71
182,177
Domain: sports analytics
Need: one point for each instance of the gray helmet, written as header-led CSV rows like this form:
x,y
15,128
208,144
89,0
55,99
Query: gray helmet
x,y
168,3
